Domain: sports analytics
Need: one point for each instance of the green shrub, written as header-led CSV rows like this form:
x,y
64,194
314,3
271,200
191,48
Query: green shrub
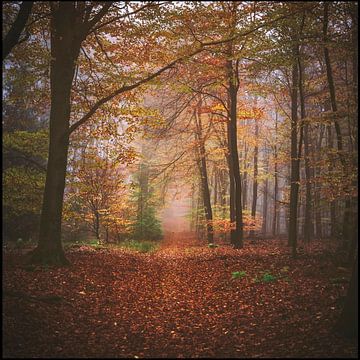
x,y
267,277
238,274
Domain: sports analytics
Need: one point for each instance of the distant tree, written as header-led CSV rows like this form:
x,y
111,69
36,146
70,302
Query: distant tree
x,y
146,225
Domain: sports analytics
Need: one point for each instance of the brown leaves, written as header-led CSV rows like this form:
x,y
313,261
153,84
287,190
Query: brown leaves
x,y
177,302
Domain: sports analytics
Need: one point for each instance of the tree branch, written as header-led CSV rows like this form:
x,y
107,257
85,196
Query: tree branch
x,y
12,37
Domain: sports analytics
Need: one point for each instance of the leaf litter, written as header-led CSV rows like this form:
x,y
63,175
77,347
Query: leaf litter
x,y
180,301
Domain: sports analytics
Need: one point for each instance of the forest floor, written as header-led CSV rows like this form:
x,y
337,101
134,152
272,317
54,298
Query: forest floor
x,y
182,300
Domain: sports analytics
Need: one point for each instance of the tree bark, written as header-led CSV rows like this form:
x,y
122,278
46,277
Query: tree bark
x,y
329,73
13,36
318,205
255,183
233,86
245,177
276,185
204,175
347,324
295,161
65,48
265,202
308,224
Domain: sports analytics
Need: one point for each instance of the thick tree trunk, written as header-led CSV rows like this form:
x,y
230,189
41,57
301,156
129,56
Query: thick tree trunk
x,y
65,49
255,183
329,73
347,325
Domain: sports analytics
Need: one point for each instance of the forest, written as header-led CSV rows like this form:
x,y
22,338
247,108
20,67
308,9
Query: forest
x,y
180,179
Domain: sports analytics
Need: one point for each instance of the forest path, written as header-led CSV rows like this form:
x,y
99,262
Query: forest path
x,y
179,301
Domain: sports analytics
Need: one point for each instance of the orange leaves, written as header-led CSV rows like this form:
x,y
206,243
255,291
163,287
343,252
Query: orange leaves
x,y
250,113
176,302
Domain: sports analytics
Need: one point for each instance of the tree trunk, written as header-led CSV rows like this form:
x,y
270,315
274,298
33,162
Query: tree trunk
x,y
276,185
12,38
97,225
233,87
245,177
347,212
255,183
204,176
216,184
265,203
308,224
231,190
317,186
347,325
332,204
64,52
295,161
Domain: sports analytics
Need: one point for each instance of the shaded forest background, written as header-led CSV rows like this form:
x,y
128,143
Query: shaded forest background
x,y
279,80
245,111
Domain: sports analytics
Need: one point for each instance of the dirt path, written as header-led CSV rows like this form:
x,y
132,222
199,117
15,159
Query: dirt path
x,y
179,301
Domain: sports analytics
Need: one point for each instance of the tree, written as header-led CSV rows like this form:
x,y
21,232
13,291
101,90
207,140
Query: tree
x,y
12,38
347,324
200,138
146,226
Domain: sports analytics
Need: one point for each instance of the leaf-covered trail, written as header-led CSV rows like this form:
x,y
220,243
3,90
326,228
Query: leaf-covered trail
x,y
177,302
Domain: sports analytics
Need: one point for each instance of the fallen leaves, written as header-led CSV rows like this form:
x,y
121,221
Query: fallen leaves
x,y
176,303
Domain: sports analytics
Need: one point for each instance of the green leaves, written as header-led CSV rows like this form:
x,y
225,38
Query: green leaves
x,y
267,277
238,274
27,143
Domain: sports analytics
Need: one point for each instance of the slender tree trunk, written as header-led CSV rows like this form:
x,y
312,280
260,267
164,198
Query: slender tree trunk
x,y
223,189
276,185
332,204
231,191
295,161
204,176
318,205
216,184
97,225
308,224
255,183
265,203
245,177
233,150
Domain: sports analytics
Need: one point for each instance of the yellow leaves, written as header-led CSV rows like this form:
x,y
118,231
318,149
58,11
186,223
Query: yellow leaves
x,y
250,113
218,107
